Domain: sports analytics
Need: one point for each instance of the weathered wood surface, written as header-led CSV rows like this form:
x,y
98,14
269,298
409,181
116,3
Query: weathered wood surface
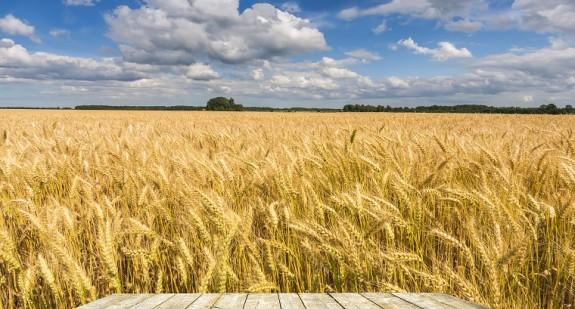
x,y
282,301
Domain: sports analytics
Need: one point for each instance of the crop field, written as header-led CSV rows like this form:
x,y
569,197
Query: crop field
x,y
478,206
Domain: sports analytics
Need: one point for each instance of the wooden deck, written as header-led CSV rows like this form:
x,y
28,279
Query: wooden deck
x,y
281,301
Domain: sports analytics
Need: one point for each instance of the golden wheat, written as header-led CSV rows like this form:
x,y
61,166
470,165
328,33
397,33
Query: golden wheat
x,y
94,203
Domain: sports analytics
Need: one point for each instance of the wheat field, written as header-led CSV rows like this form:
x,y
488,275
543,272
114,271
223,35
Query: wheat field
x,y
478,206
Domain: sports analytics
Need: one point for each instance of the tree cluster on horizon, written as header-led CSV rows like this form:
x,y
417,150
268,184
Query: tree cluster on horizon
x,y
551,109
229,104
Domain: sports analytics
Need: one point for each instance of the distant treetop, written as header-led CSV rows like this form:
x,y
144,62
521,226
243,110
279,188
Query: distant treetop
x,y
223,104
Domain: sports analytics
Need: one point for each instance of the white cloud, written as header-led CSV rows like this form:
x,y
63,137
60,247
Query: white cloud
x,y
325,79
363,55
11,25
558,43
184,32
464,25
500,79
549,16
60,33
546,16
302,81
291,7
397,82
381,28
429,9
443,52
80,2
528,98
258,74
548,64
339,73
16,61
203,72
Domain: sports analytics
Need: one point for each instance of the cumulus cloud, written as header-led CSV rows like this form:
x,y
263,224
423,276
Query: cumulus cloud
x,y
550,16
464,25
11,25
80,2
429,9
339,73
499,79
548,64
258,74
558,43
363,55
443,52
546,16
16,61
291,7
184,32
325,79
396,82
301,81
203,72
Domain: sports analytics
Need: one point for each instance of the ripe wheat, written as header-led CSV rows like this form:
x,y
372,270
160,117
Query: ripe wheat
x,y
94,203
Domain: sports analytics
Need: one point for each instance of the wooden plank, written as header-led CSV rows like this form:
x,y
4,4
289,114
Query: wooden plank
x,y
106,301
132,301
318,300
388,301
454,301
291,300
179,301
422,301
154,301
128,302
231,301
353,301
262,301
205,301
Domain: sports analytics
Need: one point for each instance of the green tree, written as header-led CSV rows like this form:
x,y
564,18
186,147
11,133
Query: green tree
x,y
223,104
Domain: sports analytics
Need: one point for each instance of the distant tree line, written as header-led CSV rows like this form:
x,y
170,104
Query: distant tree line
x,y
139,108
214,104
293,109
38,108
479,109
229,104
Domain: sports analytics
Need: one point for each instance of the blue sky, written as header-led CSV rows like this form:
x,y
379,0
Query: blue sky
x,y
287,53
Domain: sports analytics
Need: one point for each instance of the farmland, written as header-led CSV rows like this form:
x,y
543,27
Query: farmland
x,y
96,202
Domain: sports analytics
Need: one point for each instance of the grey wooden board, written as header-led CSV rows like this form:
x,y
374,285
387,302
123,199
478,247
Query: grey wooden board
x,y
106,301
153,301
179,301
423,301
388,301
453,301
318,301
262,301
353,301
282,301
122,301
291,300
231,301
205,301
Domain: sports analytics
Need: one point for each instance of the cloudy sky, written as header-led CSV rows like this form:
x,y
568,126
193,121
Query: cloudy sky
x,y
287,53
